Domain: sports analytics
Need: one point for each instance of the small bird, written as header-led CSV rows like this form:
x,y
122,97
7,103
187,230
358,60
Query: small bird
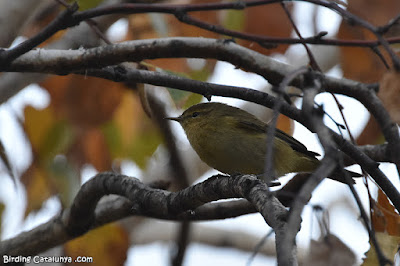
x,y
234,141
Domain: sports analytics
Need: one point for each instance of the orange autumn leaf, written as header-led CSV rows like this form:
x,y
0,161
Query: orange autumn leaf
x,y
146,26
371,133
285,124
85,102
267,20
386,223
91,147
384,217
361,63
389,93
210,17
96,150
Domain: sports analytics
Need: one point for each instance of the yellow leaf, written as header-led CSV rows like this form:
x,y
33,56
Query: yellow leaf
x,y
2,208
131,134
144,144
234,20
37,188
87,4
386,222
37,124
389,245
127,117
107,245
384,217
47,134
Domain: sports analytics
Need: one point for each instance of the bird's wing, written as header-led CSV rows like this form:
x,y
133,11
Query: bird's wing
x,y
251,126
296,145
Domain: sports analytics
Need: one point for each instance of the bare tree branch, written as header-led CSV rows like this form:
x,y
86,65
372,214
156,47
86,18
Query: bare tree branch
x,y
18,14
180,11
6,56
80,36
63,62
146,201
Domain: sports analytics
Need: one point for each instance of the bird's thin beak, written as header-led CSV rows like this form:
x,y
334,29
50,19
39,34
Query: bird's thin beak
x,y
178,119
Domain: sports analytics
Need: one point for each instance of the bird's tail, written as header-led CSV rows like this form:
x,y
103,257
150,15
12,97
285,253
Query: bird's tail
x,y
338,175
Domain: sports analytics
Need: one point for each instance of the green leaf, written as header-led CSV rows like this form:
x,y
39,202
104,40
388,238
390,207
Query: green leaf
x,y
144,146
113,138
185,99
87,4
65,178
202,74
193,99
234,20
57,139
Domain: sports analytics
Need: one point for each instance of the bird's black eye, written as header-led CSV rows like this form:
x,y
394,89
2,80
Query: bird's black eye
x,y
195,114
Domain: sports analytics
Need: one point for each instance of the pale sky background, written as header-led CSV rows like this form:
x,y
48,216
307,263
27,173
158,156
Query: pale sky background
x,y
344,220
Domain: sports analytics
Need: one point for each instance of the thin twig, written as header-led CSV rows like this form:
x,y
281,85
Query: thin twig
x,y
269,166
370,229
181,12
313,63
93,25
393,22
258,247
6,56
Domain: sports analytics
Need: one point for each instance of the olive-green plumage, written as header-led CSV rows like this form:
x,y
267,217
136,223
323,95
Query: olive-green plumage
x,y
234,141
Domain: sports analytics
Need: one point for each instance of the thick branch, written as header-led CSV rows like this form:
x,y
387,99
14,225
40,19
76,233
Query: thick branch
x,y
69,61
146,201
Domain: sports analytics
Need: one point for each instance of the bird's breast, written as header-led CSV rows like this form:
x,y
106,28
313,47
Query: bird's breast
x,y
229,153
